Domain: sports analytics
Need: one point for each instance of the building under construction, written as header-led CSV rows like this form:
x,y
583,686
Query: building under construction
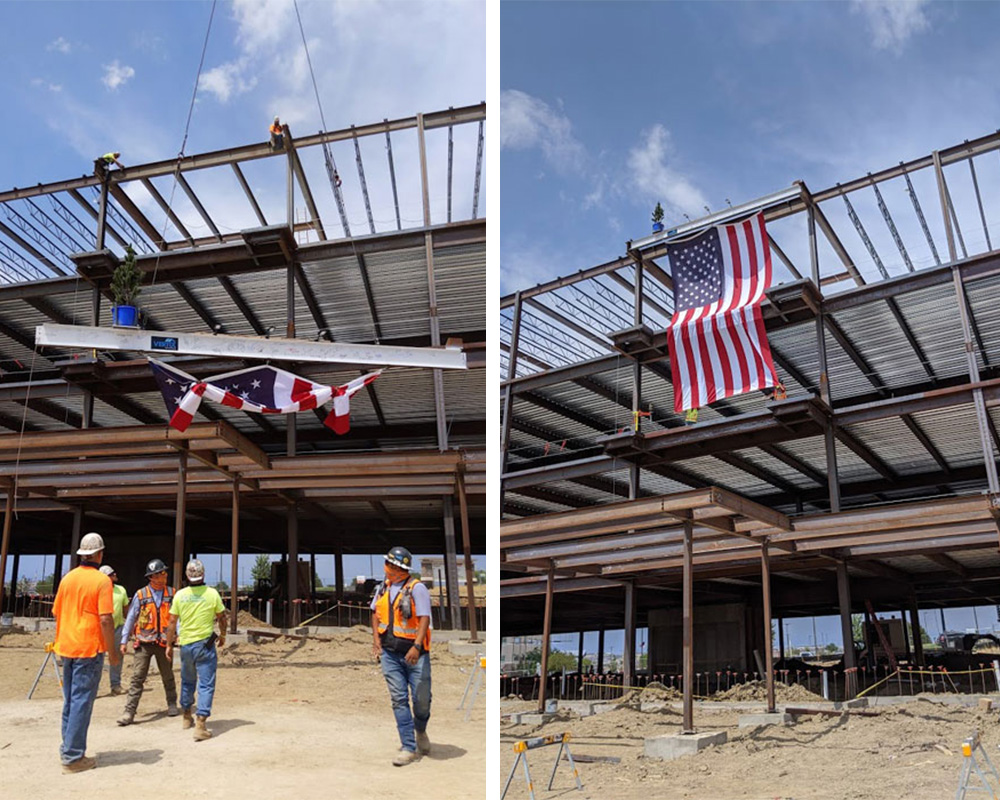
x,y
262,245
872,487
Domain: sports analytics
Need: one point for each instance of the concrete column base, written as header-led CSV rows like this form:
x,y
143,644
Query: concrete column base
x,y
532,718
671,746
755,720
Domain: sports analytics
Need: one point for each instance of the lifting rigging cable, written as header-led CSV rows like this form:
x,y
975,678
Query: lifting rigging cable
x,y
331,164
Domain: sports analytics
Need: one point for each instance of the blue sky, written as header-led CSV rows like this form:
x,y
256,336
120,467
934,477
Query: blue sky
x,y
609,107
83,78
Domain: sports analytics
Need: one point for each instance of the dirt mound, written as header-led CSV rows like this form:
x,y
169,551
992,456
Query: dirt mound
x,y
244,620
651,693
757,690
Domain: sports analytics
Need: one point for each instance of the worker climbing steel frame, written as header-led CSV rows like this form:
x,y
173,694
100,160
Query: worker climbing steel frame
x,y
566,344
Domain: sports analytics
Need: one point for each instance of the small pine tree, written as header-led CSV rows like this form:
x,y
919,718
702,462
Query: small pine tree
x,y
261,569
126,282
658,213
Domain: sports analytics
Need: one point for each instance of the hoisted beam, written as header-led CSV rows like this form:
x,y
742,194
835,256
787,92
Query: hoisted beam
x,y
176,343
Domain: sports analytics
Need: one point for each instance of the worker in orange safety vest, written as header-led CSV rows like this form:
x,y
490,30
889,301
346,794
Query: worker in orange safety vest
x,y
147,622
401,630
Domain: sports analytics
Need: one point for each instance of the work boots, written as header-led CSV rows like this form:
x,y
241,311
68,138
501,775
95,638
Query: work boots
x,y
172,710
188,721
404,757
126,718
200,731
80,765
423,743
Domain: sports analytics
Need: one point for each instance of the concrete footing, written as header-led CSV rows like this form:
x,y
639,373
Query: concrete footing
x,y
460,648
669,747
531,718
757,720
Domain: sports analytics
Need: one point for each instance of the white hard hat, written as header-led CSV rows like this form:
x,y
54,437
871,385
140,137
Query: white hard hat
x,y
90,544
195,570
107,570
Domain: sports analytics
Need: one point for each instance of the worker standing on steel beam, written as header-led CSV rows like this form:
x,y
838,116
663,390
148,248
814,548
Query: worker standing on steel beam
x,y
84,632
197,607
277,135
103,164
401,629
120,602
147,621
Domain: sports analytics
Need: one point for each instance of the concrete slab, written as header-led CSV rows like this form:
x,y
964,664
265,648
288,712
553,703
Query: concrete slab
x,y
672,746
760,720
460,648
535,719
582,707
600,708
857,702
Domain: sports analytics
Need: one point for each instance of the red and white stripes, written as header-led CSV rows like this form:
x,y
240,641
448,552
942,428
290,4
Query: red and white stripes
x,y
720,349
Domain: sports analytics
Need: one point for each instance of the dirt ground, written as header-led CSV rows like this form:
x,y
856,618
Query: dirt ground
x,y
911,750
291,719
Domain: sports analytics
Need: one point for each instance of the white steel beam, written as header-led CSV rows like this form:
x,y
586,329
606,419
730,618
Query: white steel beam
x,y
204,344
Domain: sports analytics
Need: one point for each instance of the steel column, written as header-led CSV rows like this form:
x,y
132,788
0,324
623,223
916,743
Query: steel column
x,y
338,573
470,574
918,642
546,637
181,515
579,656
293,563
76,533
234,574
765,578
57,570
846,628
508,397
833,481
600,651
628,665
8,518
970,352
687,628
102,210
450,563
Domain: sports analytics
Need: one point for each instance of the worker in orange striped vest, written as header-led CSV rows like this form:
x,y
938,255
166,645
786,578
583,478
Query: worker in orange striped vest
x,y
147,622
401,630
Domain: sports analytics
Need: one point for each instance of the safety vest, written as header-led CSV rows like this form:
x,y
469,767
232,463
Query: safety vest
x,y
151,626
276,129
404,625
109,158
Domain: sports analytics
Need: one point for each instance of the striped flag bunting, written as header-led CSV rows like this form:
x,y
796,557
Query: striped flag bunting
x,y
261,390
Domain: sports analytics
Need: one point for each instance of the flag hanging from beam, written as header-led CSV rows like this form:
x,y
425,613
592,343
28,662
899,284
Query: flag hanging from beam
x,y
262,390
718,346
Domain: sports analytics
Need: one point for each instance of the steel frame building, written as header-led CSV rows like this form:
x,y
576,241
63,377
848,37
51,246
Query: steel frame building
x,y
88,445
875,479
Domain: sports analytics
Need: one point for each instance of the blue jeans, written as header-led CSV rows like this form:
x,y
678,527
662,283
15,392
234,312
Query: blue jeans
x,y
116,671
404,681
198,664
81,678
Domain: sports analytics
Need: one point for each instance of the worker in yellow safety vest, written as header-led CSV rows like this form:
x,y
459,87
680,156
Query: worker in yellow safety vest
x,y
691,416
120,601
401,631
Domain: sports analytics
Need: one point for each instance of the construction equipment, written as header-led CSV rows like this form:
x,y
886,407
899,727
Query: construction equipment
x,y
522,748
972,748
475,680
50,653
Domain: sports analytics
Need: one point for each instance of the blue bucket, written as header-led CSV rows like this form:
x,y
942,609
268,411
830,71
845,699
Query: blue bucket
x,y
124,316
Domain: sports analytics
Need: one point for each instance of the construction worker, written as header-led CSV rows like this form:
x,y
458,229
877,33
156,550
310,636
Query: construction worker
x,y
197,607
120,601
401,631
84,633
148,618
779,393
104,163
277,135
691,416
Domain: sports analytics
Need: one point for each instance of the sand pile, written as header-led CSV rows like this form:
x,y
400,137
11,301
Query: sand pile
x,y
652,693
757,691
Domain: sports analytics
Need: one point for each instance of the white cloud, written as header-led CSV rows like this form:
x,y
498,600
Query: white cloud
x,y
657,181
227,80
60,45
892,22
116,74
527,122
42,83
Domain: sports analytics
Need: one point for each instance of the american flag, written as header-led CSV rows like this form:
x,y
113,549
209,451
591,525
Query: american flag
x,y
263,390
718,346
